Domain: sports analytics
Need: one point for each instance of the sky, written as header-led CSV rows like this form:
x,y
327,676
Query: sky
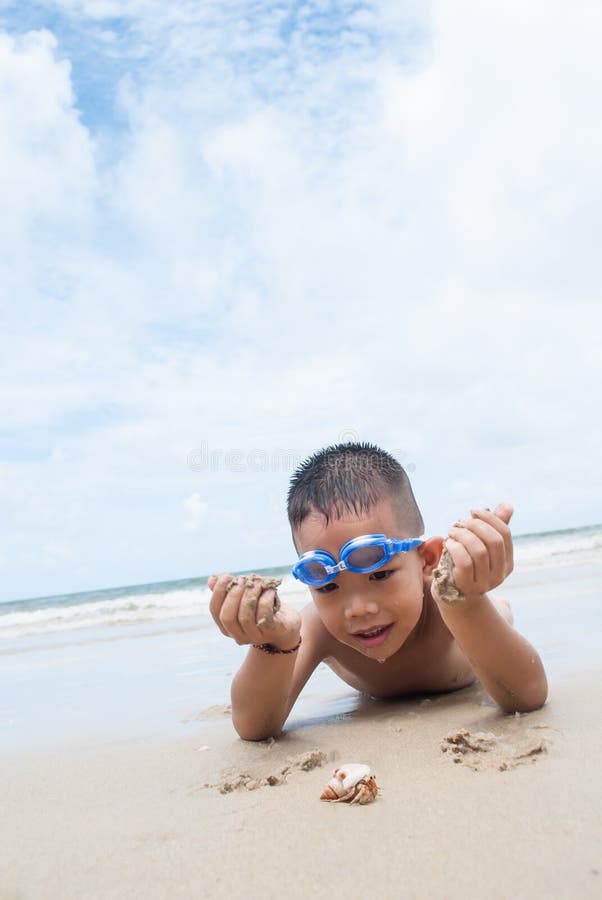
x,y
233,232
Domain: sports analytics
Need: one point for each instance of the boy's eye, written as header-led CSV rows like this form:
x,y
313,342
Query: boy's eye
x,y
327,588
382,574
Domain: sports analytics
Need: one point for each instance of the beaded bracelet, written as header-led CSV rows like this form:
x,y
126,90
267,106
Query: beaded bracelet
x,y
269,648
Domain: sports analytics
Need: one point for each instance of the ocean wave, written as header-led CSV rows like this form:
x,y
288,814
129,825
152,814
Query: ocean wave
x,y
129,609
559,548
178,601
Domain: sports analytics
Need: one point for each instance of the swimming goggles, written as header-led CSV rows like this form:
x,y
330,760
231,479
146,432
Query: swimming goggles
x,y
361,554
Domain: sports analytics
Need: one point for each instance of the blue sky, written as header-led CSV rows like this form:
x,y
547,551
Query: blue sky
x,y
244,230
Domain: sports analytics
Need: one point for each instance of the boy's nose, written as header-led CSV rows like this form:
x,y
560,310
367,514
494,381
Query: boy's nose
x,y
358,606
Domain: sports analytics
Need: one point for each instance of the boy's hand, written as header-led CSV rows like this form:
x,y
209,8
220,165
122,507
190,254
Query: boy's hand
x,y
481,550
246,612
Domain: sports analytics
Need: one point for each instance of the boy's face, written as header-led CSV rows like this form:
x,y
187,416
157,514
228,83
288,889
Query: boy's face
x,y
373,613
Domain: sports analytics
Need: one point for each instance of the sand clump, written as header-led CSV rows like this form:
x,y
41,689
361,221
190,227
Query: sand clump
x,y
443,577
266,585
484,750
234,780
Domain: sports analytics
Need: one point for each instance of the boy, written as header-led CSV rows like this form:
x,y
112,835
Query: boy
x,y
377,618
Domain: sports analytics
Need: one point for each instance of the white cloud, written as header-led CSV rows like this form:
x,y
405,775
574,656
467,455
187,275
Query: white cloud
x,y
47,172
388,229
196,512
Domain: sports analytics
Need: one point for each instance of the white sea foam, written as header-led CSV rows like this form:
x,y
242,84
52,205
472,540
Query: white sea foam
x,y
564,548
129,609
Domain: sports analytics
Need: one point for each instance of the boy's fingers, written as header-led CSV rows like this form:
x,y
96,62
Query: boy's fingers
x,y
493,543
265,608
500,523
228,614
217,599
463,567
504,512
498,519
247,610
224,606
477,555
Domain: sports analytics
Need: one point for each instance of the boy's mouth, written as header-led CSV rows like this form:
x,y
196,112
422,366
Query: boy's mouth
x,y
373,637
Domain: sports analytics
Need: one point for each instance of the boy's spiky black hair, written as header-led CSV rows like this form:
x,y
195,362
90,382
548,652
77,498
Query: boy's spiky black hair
x,y
352,478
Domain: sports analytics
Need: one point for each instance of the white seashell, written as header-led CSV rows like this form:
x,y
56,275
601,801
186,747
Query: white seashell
x,y
347,776
351,782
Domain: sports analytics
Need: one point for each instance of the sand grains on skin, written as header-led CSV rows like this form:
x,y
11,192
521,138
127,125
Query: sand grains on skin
x,y
443,578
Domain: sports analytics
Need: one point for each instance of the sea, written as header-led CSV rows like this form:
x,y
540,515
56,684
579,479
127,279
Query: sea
x,y
148,661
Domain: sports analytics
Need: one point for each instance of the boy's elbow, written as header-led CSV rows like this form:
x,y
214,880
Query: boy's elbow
x,y
537,693
536,699
533,697
249,731
529,705
251,735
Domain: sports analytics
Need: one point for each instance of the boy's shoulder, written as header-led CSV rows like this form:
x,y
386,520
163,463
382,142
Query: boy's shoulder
x,y
315,632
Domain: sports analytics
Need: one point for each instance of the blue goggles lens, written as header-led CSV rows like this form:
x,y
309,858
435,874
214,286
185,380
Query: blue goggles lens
x,y
361,554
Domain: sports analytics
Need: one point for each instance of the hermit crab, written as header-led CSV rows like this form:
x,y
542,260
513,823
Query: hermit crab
x,y
353,783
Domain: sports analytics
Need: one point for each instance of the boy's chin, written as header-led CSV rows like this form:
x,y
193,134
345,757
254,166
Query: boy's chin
x,y
378,654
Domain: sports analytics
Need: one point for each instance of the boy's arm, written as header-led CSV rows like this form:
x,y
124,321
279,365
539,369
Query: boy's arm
x,y
508,666
266,686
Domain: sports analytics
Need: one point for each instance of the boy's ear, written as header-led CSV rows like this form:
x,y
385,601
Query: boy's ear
x,y
430,552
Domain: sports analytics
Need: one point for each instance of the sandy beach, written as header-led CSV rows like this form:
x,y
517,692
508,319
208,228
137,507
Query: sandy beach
x,y
121,775
147,819
304,291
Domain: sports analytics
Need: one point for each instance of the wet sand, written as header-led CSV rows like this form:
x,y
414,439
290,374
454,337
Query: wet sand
x,y
473,803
